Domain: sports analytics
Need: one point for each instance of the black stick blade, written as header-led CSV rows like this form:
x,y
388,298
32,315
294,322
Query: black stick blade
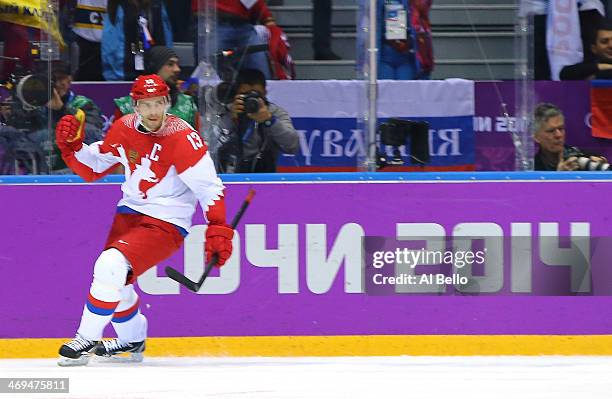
x,y
181,279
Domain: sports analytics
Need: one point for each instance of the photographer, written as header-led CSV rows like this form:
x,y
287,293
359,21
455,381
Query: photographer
x,y
245,132
554,154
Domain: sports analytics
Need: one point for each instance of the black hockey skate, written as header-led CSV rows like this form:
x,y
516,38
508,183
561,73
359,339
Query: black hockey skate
x,y
76,352
121,351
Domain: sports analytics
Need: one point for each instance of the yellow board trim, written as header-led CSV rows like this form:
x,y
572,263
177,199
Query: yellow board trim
x,y
348,345
101,10
88,26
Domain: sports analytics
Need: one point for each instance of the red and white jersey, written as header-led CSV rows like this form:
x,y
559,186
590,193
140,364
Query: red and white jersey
x,y
166,172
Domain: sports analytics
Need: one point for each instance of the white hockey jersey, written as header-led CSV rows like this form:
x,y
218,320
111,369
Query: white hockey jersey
x,y
166,172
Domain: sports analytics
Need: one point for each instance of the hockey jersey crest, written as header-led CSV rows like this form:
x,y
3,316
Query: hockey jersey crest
x,y
140,174
166,172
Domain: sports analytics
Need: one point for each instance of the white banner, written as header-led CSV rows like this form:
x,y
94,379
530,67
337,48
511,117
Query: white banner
x,y
563,35
347,98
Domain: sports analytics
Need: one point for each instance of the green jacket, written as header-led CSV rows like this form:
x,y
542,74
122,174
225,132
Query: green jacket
x,y
185,107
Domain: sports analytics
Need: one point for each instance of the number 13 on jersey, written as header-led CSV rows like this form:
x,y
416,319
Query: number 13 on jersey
x,y
195,140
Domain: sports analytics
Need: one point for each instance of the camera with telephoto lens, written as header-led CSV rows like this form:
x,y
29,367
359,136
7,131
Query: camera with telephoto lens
x,y
584,161
31,89
251,102
28,92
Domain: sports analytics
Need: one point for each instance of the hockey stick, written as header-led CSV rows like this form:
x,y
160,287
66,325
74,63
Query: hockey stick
x,y
192,285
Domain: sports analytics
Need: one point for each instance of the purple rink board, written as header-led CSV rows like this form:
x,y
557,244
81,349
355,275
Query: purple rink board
x,y
52,234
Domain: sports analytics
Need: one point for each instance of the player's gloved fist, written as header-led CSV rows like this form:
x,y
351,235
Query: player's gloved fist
x,y
67,134
219,242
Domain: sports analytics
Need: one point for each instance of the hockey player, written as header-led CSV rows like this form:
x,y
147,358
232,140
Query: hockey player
x,y
167,170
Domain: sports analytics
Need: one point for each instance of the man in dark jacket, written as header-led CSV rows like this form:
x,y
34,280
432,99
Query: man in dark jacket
x,y
554,154
601,67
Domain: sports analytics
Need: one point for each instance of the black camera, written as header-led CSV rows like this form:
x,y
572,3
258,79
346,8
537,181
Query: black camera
x,y
225,92
584,160
29,88
251,101
396,132
28,92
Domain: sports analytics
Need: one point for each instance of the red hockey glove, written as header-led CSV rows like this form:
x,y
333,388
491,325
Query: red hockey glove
x,y
69,134
219,242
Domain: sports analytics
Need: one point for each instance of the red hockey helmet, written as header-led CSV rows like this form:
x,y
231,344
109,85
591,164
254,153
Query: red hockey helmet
x,y
148,86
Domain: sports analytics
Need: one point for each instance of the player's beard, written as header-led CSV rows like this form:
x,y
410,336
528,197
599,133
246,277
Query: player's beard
x,y
142,121
159,125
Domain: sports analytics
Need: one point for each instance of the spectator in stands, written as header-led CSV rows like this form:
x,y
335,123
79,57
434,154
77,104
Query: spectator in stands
x,y
419,16
235,30
553,153
87,26
405,39
281,63
321,30
164,61
130,28
243,142
601,66
590,13
65,102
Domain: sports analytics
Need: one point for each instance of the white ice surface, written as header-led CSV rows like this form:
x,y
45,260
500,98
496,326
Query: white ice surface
x,y
340,377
